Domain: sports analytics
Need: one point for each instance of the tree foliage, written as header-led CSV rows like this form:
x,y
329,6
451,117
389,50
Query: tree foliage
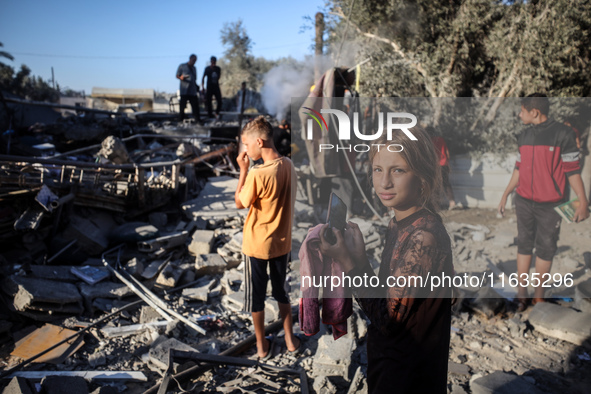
x,y
469,48
238,64
23,84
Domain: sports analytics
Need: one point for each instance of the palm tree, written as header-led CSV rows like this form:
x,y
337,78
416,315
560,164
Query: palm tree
x,y
5,54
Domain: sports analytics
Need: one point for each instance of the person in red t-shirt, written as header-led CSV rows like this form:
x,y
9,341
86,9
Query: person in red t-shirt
x,y
441,148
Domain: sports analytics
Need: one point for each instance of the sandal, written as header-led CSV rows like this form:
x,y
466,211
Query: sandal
x,y
296,351
269,354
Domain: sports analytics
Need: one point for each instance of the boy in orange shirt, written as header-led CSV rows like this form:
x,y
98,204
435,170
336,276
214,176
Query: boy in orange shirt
x,y
269,191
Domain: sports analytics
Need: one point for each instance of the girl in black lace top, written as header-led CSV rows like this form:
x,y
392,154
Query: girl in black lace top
x,y
408,339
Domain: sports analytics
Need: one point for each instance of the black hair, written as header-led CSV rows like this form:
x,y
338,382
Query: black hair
x,y
537,101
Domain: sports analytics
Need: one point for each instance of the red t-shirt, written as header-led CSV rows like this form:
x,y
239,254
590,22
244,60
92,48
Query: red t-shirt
x,y
441,148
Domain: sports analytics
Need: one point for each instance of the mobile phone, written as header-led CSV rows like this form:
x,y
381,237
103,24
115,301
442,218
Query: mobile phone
x,y
336,218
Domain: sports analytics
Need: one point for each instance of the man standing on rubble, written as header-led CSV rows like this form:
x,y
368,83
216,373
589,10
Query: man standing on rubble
x,y
213,73
269,190
548,157
187,73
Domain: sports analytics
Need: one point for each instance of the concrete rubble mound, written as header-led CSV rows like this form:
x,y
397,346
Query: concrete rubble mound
x,y
121,257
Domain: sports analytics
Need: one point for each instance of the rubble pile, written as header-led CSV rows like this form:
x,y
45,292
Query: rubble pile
x,y
122,272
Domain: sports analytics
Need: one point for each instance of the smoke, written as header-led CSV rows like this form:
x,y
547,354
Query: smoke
x,y
282,83
294,78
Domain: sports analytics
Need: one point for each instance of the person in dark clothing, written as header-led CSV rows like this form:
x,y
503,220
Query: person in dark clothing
x,y
548,157
187,73
213,73
408,339
282,138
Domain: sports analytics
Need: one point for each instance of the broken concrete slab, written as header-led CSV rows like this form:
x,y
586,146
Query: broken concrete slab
x,y
209,264
560,322
216,200
333,358
54,272
37,297
500,382
201,243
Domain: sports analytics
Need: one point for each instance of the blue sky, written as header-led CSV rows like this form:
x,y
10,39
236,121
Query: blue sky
x,y
139,44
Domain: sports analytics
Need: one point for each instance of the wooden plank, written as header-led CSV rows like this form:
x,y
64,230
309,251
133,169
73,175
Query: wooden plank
x,y
42,339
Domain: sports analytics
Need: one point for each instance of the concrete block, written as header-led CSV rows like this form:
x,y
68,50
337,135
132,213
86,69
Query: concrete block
x,y
231,278
235,244
232,259
170,276
333,358
19,385
201,243
500,382
200,292
560,322
64,385
234,301
209,264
